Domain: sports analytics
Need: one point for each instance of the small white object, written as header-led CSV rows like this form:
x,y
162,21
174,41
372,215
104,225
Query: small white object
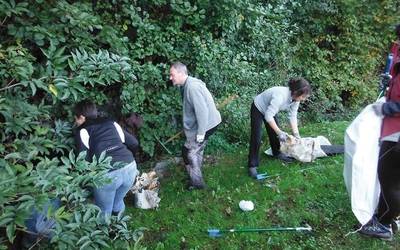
x,y
246,205
200,138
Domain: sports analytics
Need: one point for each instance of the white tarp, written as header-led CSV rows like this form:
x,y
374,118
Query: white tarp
x,y
361,144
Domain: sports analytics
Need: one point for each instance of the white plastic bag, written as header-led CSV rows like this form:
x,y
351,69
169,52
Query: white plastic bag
x,y
246,205
361,154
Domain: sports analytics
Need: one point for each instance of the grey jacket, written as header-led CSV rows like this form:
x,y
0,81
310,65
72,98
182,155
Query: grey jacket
x,y
275,99
199,111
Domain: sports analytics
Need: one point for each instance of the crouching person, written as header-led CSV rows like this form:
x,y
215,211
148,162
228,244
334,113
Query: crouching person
x,y
200,120
95,135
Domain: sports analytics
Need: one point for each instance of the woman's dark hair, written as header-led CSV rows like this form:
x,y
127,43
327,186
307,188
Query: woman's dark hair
x,y
299,86
397,31
85,108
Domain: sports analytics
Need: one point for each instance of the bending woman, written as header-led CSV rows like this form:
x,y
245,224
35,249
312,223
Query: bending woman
x,y
265,108
96,135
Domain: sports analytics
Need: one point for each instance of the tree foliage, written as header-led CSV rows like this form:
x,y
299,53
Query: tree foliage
x,y
54,53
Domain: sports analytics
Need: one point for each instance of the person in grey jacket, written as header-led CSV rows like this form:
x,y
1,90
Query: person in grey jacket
x,y
200,120
265,108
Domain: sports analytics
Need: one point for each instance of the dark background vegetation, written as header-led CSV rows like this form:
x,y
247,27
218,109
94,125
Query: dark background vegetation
x,y
117,53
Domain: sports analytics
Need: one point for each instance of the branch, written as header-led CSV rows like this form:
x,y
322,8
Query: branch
x,y
40,237
37,242
4,20
10,86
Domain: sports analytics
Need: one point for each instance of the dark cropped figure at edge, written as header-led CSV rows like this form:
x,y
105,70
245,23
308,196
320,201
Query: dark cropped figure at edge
x,y
383,222
96,135
265,108
200,121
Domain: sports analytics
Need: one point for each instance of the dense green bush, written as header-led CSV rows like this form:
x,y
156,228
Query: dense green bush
x,y
54,53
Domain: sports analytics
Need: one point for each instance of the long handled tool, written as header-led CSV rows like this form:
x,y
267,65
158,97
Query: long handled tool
x,y
219,232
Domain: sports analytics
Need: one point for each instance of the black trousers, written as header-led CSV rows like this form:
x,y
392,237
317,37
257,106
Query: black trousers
x,y
389,178
257,118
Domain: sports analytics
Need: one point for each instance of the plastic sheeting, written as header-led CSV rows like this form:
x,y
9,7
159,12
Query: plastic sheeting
x,y
361,143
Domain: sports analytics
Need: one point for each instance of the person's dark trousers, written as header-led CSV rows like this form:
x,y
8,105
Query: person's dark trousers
x,y
389,178
192,153
332,149
256,120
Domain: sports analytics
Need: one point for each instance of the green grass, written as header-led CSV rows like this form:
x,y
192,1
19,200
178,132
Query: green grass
x,y
312,193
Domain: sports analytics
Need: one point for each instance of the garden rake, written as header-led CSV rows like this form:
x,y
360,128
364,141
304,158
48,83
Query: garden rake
x,y
214,233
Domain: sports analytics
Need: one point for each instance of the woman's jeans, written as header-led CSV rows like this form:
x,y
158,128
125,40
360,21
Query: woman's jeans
x,y
110,198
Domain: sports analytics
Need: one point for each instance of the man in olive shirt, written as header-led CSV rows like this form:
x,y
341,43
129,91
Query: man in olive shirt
x,y
200,120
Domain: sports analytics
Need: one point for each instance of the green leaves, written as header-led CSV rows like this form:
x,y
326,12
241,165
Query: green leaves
x,y
16,63
103,68
9,8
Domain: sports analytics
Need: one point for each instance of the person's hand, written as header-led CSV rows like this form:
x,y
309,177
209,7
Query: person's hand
x,y
377,108
200,138
297,135
282,136
385,79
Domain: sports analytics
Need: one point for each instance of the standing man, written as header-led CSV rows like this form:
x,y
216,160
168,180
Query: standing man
x,y
200,120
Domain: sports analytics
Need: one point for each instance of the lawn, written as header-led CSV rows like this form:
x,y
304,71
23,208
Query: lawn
x,y
302,193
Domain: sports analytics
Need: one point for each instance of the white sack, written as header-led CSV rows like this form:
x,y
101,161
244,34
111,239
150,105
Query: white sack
x,y
305,149
147,199
361,154
145,191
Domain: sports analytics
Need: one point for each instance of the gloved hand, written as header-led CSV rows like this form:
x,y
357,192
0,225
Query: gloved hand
x,y
283,136
200,138
377,107
297,135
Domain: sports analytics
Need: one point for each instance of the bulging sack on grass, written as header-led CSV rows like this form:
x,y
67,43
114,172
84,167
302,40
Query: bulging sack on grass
x,y
146,190
361,144
147,199
304,149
